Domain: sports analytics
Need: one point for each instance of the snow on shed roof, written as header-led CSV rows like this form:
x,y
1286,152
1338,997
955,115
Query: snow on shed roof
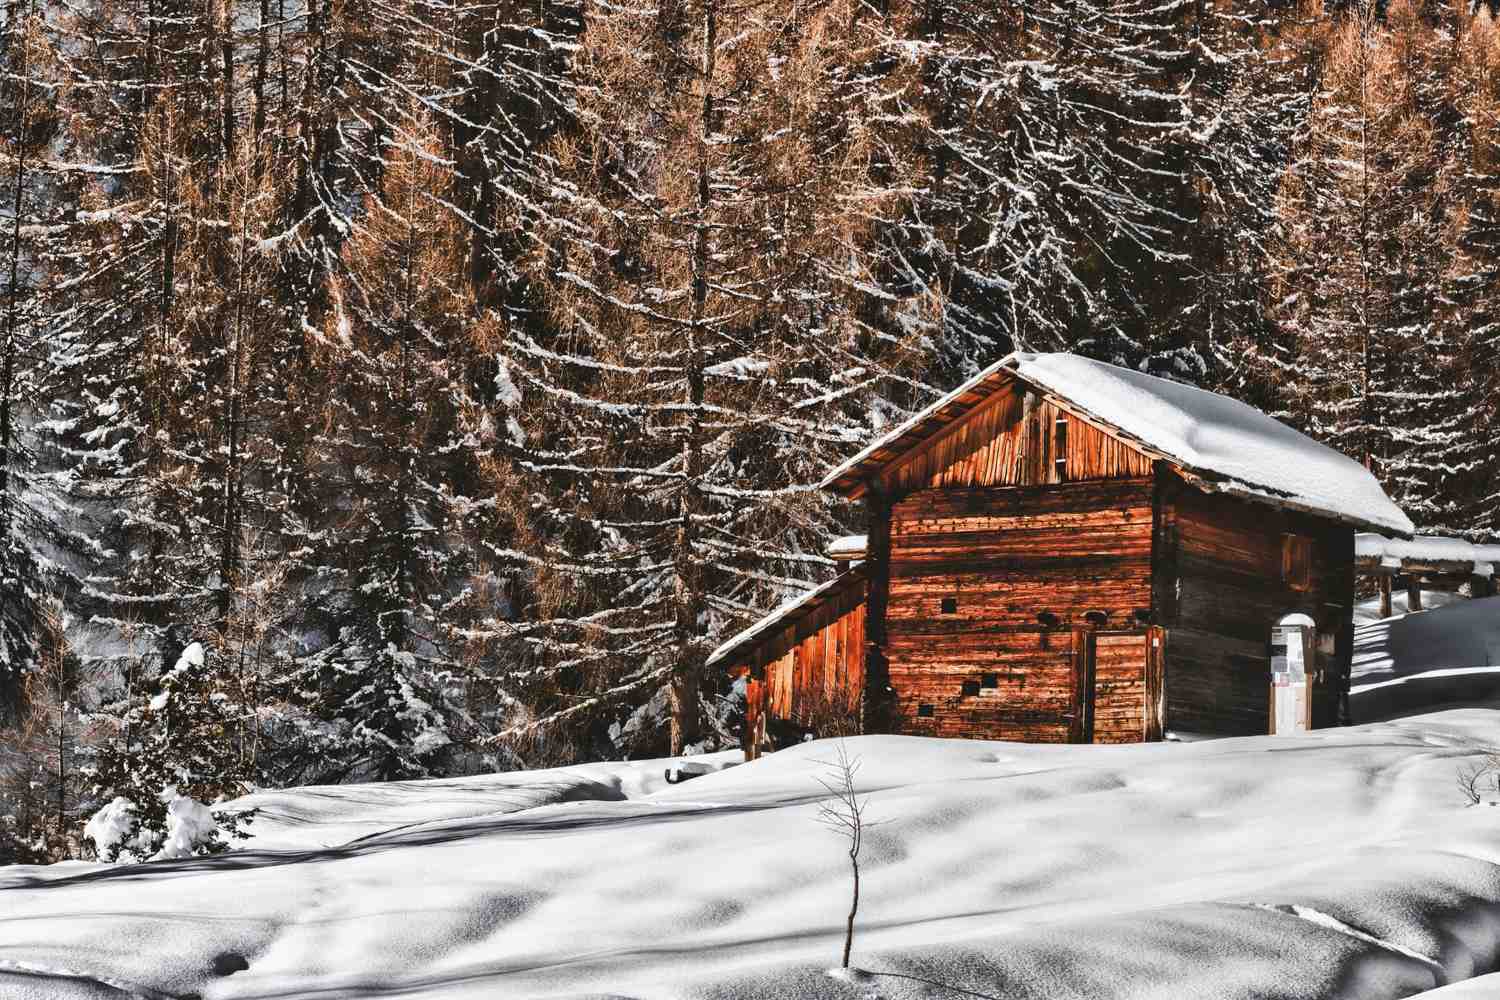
x,y
1391,552
848,547
787,612
1227,446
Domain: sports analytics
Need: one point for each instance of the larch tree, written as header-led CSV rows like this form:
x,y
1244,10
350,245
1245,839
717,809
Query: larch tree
x,y
701,264
1474,274
121,363
1366,208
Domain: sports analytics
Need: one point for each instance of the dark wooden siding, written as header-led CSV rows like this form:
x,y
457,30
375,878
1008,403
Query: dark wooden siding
x,y
1221,585
1003,556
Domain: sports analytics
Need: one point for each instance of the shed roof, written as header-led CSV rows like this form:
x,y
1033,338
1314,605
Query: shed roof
x,y
1426,550
847,547
1219,443
788,614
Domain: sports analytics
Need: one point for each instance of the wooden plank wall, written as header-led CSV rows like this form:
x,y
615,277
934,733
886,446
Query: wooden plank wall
x,y
1220,569
1004,555
1011,440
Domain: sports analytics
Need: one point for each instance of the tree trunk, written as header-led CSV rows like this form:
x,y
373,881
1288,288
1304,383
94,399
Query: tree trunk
x,y
8,346
229,551
226,62
688,582
262,57
853,908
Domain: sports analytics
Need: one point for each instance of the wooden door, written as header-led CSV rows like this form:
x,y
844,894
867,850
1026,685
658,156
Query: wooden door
x,y
1118,678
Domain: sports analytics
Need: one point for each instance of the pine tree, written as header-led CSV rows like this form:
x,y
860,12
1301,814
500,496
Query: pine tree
x,y
394,559
1051,170
28,104
180,741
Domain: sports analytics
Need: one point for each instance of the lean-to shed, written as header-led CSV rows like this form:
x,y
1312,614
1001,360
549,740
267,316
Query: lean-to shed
x,y
1064,550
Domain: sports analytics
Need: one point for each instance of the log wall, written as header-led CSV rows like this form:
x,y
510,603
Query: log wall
x,y
1225,573
982,665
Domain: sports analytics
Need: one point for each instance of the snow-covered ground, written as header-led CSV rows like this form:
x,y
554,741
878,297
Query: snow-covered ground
x,y
1449,654
1341,863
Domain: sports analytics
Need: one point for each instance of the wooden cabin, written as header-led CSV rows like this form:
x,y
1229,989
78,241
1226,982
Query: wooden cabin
x,y
1062,550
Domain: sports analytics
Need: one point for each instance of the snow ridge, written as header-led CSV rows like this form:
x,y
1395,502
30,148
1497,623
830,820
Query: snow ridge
x,y
34,970
1330,922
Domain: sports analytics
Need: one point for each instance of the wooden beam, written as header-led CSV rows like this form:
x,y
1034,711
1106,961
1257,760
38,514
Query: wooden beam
x,y
878,573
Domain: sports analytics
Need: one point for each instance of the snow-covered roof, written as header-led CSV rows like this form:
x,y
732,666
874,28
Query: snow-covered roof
x,y
847,547
1224,445
788,611
1391,552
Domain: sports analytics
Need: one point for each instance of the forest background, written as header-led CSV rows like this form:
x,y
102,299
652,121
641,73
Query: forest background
x,y
459,372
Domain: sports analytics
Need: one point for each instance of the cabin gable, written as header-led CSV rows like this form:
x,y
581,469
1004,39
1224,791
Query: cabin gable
x,y
1015,437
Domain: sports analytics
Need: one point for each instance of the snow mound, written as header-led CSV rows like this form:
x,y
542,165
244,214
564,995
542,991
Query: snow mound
x,y
1478,988
111,825
329,815
190,826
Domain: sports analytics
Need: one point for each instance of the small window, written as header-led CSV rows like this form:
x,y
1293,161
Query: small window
x,y
924,711
990,681
970,688
1060,448
1296,561
950,605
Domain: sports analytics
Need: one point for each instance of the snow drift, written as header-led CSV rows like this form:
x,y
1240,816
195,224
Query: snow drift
x,y
1338,864
1342,863
1422,659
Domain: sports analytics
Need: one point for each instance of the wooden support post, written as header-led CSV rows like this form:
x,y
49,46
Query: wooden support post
x,y
1413,593
1385,595
877,695
1479,586
1156,693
